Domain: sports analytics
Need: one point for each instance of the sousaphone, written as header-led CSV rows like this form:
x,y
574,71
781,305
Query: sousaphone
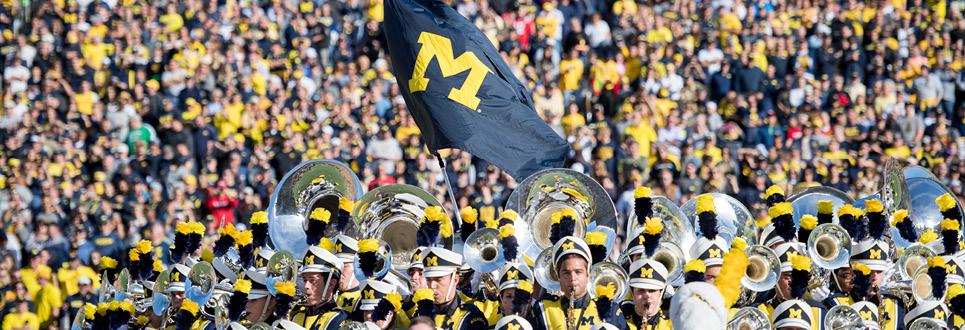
x,y
392,214
733,218
310,185
541,195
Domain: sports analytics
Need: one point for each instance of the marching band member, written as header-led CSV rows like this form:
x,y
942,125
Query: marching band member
x,y
380,304
449,311
575,309
648,279
795,313
513,322
320,271
868,313
259,306
709,247
515,289
935,310
348,286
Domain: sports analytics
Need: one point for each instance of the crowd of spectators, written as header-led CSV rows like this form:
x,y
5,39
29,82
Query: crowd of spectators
x,y
121,118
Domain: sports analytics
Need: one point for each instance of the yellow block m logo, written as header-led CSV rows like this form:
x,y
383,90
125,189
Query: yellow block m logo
x,y
875,253
369,294
646,272
939,314
512,274
794,313
439,47
866,315
714,253
432,261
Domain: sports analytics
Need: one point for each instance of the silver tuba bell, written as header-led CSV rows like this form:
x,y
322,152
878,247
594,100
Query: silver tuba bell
x,y
310,185
545,272
733,218
608,273
763,271
927,323
842,317
482,250
541,195
392,214
892,191
749,318
923,189
806,201
677,226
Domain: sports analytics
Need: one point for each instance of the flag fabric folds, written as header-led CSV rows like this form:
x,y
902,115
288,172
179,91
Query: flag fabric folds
x,y
461,92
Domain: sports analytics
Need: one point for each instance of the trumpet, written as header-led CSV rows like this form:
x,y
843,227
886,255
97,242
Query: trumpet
x,y
608,273
749,318
763,271
829,245
842,317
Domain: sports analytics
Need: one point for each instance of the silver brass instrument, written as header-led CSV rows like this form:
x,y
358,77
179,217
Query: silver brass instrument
x,y
829,247
892,191
923,189
312,184
482,250
749,318
842,317
383,263
677,226
608,273
914,258
545,272
673,258
806,201
541,195
918,288
927,323
200,284
733,218
763,271
392,213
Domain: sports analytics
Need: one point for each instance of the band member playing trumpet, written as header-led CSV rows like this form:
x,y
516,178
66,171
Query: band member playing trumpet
x,y
320,270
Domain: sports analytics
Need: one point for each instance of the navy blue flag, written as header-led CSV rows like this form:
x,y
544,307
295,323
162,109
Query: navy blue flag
x,y
461,93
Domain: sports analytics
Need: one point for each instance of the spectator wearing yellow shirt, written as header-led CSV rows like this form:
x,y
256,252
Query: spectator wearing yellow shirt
x,y
74,270
573,120
21,319
642,132
48,299
571,73
83,100
29,275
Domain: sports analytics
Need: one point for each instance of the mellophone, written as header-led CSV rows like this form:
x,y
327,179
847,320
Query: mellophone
x,y
328,255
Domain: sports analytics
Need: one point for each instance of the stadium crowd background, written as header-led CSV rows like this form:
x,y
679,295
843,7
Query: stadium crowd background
x,y
121,118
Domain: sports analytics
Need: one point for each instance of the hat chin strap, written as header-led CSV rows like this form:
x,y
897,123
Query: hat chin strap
x,y
328,282
451,286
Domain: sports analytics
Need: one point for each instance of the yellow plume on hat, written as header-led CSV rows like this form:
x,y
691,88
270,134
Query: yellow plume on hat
x,y
773,189
368,245
285,288
506,231
695,265
245,238
469,214
949,224
808,222
898,217
705,203
595,238
321,214
606,291
927,237
945,202
652,226
874,206
779,209
825,207
243,286
642,192
800,262
260,217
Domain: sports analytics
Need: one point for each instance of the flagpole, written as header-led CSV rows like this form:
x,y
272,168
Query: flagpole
x,y
451,192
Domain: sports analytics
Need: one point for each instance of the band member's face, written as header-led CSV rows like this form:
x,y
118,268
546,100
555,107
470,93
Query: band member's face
x,y
573,276
315,284
877,277
784,285
845,279
710,274
416,279
254,309
506,301
443,288
383,324
176,299
646,301
347,281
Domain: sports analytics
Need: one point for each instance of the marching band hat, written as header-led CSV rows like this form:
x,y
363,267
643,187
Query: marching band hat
x,y
710,251
513,322
868,313
346,248
259,286
179,273
648,274
372,292
873,253
416,260
956,275
928,309
318,260
784,253
440,262
512,273
261,258
792,313
571,245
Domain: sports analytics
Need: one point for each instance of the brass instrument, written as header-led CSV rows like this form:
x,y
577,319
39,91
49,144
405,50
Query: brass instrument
x,y
916,289
923,189
927,323
763,271
312,184
673,258
608,273
893,190
677,226
545,272
383,263
733,218
749,318
392,214
829,246
541,195
806,201
482,251
842,317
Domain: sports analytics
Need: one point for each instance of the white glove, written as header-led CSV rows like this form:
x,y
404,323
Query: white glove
x,y
820,293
